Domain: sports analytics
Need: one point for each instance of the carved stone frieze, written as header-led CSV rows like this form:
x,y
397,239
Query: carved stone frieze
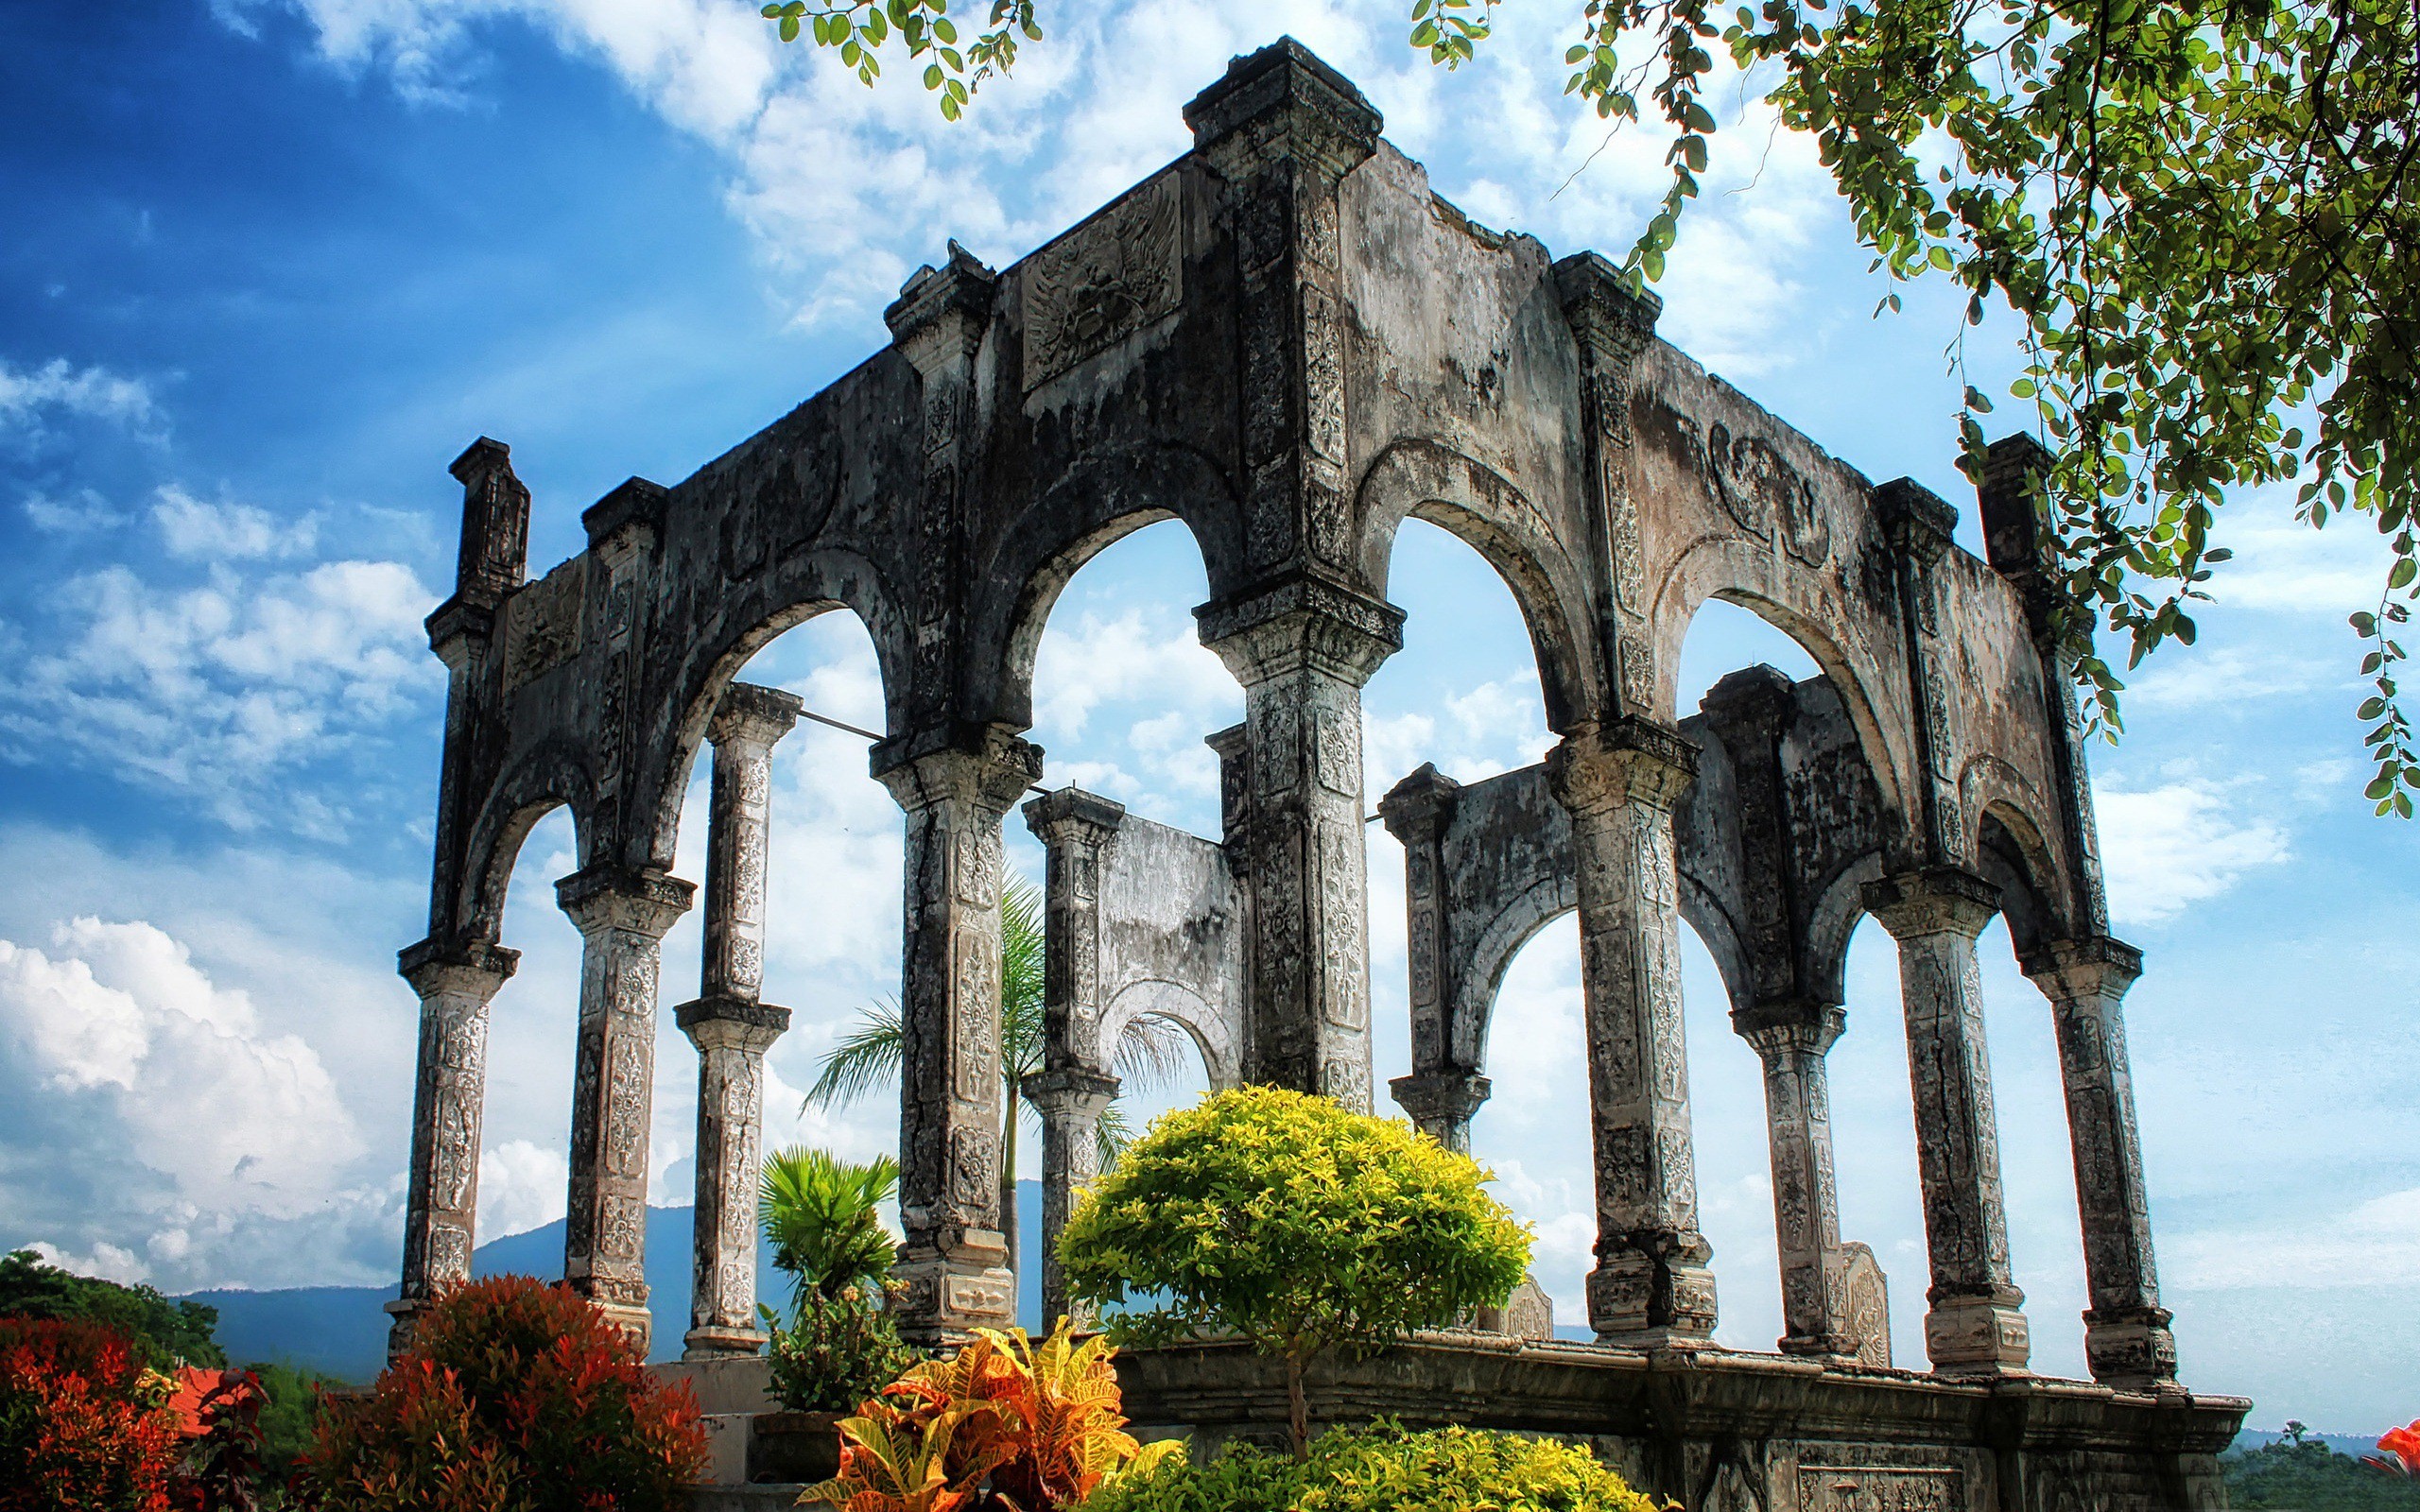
x,y
1106,280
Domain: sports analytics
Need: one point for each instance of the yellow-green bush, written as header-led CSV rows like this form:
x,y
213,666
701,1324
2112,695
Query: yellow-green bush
x,y
1383,1469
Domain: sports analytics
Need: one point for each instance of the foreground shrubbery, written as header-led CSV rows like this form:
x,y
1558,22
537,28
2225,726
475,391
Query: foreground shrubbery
x,y
1384,1469
516,1397
1293,1223
1006,1424
84,1424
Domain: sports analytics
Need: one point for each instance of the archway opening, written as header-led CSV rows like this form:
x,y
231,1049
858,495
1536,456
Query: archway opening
x,y
831,948
532,1049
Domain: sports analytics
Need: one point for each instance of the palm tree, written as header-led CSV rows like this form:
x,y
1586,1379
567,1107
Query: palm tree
x,y
820,1211
1150,1050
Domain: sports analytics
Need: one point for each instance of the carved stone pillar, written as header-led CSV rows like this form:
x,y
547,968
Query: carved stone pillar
x,y
622,915
1443,1103
1416,812
1794,1039
2126,1338
954,1265
1652,1285
1070,1100
1073,826
1303,652
440,1217
1976,1325
732,1025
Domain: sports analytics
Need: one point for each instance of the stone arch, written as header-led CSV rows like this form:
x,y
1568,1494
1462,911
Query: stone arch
x,y
1726,568
796,592
1832,922
1487,512
1114,494
552,775
1520,923
2011,851
1213,1035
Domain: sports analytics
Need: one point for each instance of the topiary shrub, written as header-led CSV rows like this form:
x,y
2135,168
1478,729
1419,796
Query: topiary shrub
x,y
84,1427
1291,1222
515,1397
1383,1469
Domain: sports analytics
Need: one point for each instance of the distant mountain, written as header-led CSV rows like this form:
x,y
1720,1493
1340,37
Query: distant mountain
x,y
342,1330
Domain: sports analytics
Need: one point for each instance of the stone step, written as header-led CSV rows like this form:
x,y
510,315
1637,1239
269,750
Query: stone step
x,y
743,1498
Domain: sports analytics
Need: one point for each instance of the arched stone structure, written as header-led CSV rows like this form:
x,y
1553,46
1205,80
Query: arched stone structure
x,y
1286,340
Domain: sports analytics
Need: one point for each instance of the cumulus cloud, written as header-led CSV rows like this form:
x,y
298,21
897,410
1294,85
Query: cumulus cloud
x,y
32,398
847,189
80,515
2168,847
523,1185
197,529
158,1127
215,689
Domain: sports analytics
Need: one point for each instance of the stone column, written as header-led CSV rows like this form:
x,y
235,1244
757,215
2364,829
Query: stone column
x,y
1303,653
1443,1104
955,786
2126,1338
439,1218
622,914
1976,1325
1075,1085
732,1025
1652,1287
1794,1039
1070,1100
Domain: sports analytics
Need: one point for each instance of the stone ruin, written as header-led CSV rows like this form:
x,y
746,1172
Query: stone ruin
x,y
1287,341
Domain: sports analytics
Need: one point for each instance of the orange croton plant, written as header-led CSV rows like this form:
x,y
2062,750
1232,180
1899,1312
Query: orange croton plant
x,y
1006,1423
2404,1444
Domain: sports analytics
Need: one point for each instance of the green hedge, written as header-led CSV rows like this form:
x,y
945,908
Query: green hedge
x,y
1384,1469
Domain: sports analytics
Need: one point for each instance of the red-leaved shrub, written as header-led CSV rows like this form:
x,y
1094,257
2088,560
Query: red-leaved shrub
x,y
516,1397
83,1426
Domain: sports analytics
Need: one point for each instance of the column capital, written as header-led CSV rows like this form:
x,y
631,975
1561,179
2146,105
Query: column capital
x,y
748,715
1070,813
724,1021
1629,760
1933,901
1917,521
1803,1025
630,519
2095,966
942,313
1069,1090
1301,621
1612,314
435,966
988,765
1757,697
643,900
1419,804
1282,102
1450,1096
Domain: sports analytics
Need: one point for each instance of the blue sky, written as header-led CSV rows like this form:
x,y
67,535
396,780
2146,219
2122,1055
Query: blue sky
x,y
269,263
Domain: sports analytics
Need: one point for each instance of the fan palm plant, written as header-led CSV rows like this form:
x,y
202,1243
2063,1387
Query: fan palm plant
x,y
821,1214
1150,1051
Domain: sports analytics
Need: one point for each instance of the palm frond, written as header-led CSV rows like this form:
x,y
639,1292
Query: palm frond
x,y
1111,1135
1153,1052
866,1057
1023,971
820,1214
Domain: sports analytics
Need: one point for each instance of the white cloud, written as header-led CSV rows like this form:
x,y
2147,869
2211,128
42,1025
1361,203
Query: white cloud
x,y
235,1119
193,529
31,398
2167,847
2376,1243
105,1260
215,690
84,513
523,1185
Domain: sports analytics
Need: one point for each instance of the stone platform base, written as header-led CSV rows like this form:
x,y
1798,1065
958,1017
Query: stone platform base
x,y
1738,1432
